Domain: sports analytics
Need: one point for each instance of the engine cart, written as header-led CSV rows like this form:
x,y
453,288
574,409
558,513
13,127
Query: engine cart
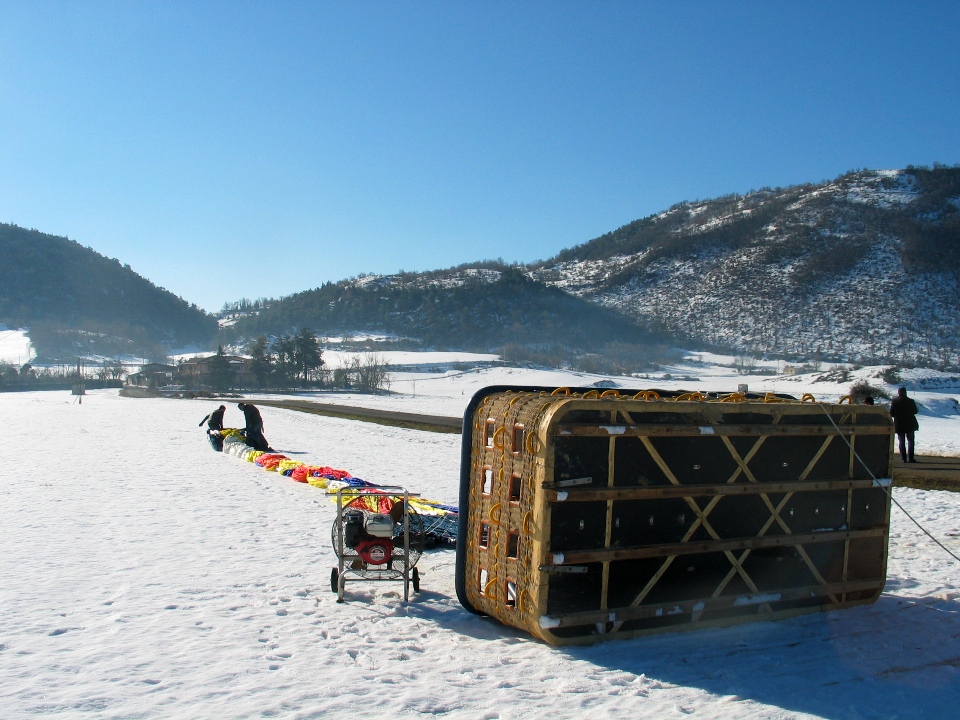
x,y
377,535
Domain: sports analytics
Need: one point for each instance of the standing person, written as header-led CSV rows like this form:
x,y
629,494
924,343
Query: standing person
x,y
214,420
904,412
254,427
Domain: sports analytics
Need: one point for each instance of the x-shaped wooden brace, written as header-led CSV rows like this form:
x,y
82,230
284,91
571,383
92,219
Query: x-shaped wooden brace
x,y
774,511
701,519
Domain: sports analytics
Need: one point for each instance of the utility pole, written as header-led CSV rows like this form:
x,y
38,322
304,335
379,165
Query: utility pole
x,y
78,388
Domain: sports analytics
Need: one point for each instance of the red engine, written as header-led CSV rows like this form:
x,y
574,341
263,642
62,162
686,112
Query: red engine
x,y
376,551
369,534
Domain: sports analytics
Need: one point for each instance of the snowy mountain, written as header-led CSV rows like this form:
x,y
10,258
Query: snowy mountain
x,y
863,268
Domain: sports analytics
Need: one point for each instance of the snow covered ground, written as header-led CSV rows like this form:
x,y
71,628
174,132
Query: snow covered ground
x,y
448,393
145,576
339,358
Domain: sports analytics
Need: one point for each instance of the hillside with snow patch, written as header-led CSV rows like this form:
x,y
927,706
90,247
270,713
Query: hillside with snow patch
x,y
863,269
860,268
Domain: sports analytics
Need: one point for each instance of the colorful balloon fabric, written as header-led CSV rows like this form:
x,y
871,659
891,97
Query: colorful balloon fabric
x,y
440,520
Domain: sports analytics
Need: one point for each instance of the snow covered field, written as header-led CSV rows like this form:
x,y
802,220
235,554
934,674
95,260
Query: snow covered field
x,y
145,576
448,393
339,358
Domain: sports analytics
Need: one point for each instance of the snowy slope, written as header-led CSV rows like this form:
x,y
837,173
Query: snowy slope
x,y
144,575
826,274
15,346
845,269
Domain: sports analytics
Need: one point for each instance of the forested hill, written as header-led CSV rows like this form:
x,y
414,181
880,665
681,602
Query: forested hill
x,y
477,309
76,301
863,268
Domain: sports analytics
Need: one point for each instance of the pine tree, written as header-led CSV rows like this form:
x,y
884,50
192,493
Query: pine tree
x,y
261,361
284,351
221,374
306,352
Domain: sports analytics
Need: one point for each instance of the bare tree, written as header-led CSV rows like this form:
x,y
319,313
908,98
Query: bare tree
x,y
370,372
117,372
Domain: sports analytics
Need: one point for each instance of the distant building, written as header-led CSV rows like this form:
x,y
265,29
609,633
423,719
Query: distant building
x,y
153,375
194,373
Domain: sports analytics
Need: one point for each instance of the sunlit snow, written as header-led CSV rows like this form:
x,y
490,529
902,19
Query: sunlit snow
x,y
144,575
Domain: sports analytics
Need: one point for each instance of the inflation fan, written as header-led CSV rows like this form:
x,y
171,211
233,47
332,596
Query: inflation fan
x,y
377,536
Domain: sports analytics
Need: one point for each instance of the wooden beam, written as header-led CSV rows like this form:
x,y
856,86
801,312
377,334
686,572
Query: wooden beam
x,y
679,491
583,430
580,557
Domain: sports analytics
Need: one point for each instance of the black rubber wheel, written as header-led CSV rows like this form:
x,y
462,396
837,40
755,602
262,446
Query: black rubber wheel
x,y
335,580
415,579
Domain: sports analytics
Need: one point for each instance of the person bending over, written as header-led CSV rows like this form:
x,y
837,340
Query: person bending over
x,y
214,420
214,423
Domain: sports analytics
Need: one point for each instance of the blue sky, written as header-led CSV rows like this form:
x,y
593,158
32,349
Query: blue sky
x,y
240,149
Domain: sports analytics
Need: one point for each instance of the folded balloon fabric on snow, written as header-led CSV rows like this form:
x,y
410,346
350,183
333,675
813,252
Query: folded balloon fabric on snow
x,y
440,520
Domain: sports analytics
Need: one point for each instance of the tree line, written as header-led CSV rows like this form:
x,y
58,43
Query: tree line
x,y
297,361
28,376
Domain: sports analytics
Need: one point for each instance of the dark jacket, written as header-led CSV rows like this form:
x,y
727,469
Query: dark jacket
x,y
214,420
251,416
904,412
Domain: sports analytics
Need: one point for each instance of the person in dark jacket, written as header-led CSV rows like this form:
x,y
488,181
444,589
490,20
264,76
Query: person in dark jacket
x,y
214,420
254,427
904,412
214,423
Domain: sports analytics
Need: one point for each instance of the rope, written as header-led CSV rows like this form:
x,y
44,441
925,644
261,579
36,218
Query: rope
x,y
888,491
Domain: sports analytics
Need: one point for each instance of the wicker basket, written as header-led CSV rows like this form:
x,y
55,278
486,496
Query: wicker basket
x,y
590,515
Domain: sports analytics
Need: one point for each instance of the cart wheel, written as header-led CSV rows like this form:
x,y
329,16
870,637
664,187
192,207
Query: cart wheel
x,y
415,578
334,580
